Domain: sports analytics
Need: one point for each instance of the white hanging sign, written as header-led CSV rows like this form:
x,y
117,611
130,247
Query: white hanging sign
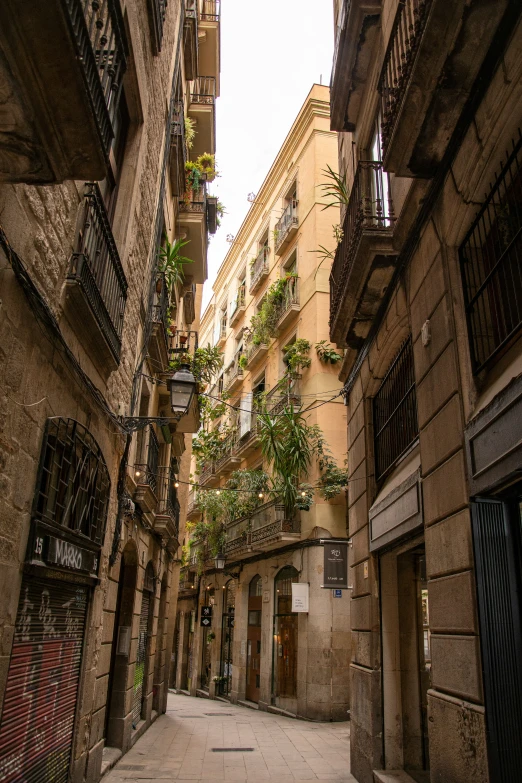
x,y
300,597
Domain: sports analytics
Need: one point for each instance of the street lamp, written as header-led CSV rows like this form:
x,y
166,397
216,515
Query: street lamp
x,y
220,560
182,387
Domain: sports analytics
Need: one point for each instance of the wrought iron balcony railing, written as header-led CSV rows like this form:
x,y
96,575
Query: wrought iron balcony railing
x,y
97,268
203,90
160,308
491,265
178,148
195,201
233,372
260,268
189,304
207,471
101,46
286,223
395,411
398,62
147,472
158,11
290,297
183,342
254,350
237,303
267,523
168,503
283,394
370,208
210,11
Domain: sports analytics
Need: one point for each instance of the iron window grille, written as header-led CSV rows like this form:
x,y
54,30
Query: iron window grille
x,y
158,10
491,265
395,411
73,484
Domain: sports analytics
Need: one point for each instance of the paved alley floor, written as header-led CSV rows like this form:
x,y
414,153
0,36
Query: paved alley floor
x,y
204,740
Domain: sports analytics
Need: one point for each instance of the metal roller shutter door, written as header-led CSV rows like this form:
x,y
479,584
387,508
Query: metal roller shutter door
x,y
141,654
36,732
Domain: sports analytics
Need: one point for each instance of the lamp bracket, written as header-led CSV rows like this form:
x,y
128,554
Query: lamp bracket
x,y
232,574
135,423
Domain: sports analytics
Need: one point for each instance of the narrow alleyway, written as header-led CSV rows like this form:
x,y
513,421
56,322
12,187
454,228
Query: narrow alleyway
x,y
203,740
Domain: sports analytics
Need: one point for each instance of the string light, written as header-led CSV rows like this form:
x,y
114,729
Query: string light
x,y
303,494
138,473
260,495
176,484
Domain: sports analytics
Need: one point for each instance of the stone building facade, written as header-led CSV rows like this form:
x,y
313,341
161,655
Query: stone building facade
x,y
299,665
426,300
92,182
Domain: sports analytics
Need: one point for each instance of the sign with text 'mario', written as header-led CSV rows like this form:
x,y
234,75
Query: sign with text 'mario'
x,y
336,565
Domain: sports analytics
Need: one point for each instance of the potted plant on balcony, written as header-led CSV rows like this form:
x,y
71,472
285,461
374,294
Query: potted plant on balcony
x,y
326,353
296,357
171,262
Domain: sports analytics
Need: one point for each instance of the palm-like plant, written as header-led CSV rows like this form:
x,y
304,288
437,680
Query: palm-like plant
x,y
286,444
171,261
335,189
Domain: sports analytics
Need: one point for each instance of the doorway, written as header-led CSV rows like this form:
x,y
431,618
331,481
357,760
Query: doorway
x,y
227,639
284,670
206,652
253,673
144,632
406,660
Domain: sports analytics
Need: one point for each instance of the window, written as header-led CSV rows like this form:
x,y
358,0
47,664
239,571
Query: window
x,y
491,267
73,484
290,264
395,411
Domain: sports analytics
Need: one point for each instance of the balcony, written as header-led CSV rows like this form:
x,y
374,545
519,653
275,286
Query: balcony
x,y
254,352
61,69
166,522
146,475
237,537
284,394
289,305
222,332
207,474
364,260
188,581
259,270
96,287
356,35
229,460
183,343
178,150
286,227
189,304
270,528
159,331
193,220
233,375
248,436
202,111
190,39
209,39
433,58
237,306
193,511
490,262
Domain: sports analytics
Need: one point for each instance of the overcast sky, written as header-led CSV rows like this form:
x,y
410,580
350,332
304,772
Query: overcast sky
x,y
272,51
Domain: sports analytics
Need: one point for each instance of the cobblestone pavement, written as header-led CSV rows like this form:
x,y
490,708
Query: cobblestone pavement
x,y
187,744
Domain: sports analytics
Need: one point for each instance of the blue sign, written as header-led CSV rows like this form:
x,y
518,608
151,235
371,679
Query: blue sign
x,y
337,593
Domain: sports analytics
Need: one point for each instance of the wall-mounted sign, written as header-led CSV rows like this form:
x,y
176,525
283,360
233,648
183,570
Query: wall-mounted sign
x,y
54,551
300,597
337,593
206,616
336,564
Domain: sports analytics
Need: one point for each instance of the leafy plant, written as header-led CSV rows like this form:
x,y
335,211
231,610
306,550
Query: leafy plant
x,y
243,361
335,188
204,363
326,353
263,324
190,132
171,261
210,636
295,356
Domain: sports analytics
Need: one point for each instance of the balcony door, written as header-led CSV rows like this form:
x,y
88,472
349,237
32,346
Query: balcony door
x,y
380,181
253,675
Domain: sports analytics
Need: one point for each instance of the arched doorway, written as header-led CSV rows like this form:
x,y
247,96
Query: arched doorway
x,y
144,632
253,668
206,643
160,664
227,638
284,669
121,643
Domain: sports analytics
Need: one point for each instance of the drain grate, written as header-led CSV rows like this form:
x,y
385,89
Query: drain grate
x,y
190,716
231,750
217,714
131,767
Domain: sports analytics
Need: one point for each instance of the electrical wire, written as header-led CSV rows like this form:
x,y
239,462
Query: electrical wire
x,y
140,465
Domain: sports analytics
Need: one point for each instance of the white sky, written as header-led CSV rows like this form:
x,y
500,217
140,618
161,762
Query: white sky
x,y
272,51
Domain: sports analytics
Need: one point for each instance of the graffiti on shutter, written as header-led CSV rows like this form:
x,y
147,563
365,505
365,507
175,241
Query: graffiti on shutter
x,y
36,732
139,671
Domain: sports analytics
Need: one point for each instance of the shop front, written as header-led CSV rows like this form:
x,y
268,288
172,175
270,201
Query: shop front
x,y
60,571
284,671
